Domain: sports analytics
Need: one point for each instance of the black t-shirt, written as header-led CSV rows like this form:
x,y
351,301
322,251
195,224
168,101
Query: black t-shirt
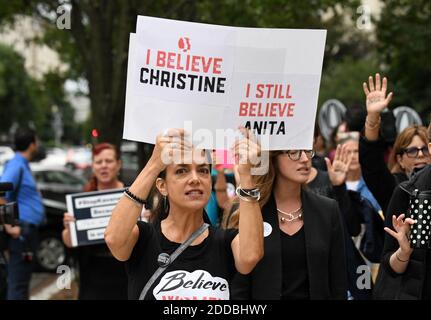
x,y
200,272
101,276
294,266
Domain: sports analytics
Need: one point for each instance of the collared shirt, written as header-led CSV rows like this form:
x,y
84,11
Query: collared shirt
x,y
29,200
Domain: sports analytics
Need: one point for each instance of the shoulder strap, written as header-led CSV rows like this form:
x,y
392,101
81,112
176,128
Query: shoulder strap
x,y
171,259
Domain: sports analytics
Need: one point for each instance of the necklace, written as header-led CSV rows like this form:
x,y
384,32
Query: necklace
x,y
290,216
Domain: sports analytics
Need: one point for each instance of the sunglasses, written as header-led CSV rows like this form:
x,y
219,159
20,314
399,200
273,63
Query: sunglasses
x,y
413,152
295,155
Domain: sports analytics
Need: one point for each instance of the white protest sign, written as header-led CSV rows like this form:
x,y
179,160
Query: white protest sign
x,y
216,78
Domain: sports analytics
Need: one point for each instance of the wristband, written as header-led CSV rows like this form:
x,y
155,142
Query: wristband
x,y
134,197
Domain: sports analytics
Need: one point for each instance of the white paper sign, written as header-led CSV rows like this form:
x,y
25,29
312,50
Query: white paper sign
x,y
210,78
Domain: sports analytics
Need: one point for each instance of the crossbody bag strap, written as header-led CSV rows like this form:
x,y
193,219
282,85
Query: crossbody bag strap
x,y
171,259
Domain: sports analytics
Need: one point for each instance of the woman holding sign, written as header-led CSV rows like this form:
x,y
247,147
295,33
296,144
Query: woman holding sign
x,y
101,276
179,256
304,240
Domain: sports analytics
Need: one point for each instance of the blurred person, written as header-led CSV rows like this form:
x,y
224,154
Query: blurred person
x,y
101,276
371,238
353,120
406,269
24,239
228,203
319,147
335,136
225,181
304,239
354,180
214,254
410,152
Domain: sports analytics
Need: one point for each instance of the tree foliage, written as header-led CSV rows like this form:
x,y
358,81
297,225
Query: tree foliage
x,y
26,101
96,46
19,94
343,80
404,43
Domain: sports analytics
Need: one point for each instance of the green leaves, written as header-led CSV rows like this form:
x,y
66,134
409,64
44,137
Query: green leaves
x,y
404,41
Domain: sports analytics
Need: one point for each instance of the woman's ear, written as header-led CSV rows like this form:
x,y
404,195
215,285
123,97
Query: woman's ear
x,y
161,186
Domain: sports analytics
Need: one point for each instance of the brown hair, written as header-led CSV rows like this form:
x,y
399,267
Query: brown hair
x,y
158,204
91,185
402,141
264,183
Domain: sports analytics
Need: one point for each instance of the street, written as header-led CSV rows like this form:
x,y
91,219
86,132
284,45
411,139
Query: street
x,y
43,286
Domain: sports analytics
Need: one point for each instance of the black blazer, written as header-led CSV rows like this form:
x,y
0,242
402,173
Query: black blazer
x,y
324,242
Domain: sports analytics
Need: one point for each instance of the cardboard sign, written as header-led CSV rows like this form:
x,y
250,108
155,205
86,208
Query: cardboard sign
x,y
92,211
211,79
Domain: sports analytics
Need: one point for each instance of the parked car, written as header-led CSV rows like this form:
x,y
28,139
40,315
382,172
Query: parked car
x,y
6,153
54,184
54,157
79,159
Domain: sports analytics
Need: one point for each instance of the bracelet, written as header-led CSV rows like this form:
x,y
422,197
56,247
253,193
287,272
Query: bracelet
x,y
250,195
220,189
398,258
371,125
134,198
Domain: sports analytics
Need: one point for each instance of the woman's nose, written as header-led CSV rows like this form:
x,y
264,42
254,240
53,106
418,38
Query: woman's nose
x,y
421,153
194,176
303,157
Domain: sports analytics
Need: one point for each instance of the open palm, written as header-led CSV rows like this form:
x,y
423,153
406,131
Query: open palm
x,y
337,171
375,94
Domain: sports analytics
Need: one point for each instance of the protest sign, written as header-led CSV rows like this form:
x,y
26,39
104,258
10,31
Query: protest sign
x,y
92,211
210,79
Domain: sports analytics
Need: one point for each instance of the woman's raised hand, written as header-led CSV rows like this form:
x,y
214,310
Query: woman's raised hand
x,y
247,151
376,99
337,171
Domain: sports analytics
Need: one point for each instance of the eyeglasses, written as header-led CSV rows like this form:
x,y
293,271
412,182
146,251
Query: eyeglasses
x,y
413,152
295,155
